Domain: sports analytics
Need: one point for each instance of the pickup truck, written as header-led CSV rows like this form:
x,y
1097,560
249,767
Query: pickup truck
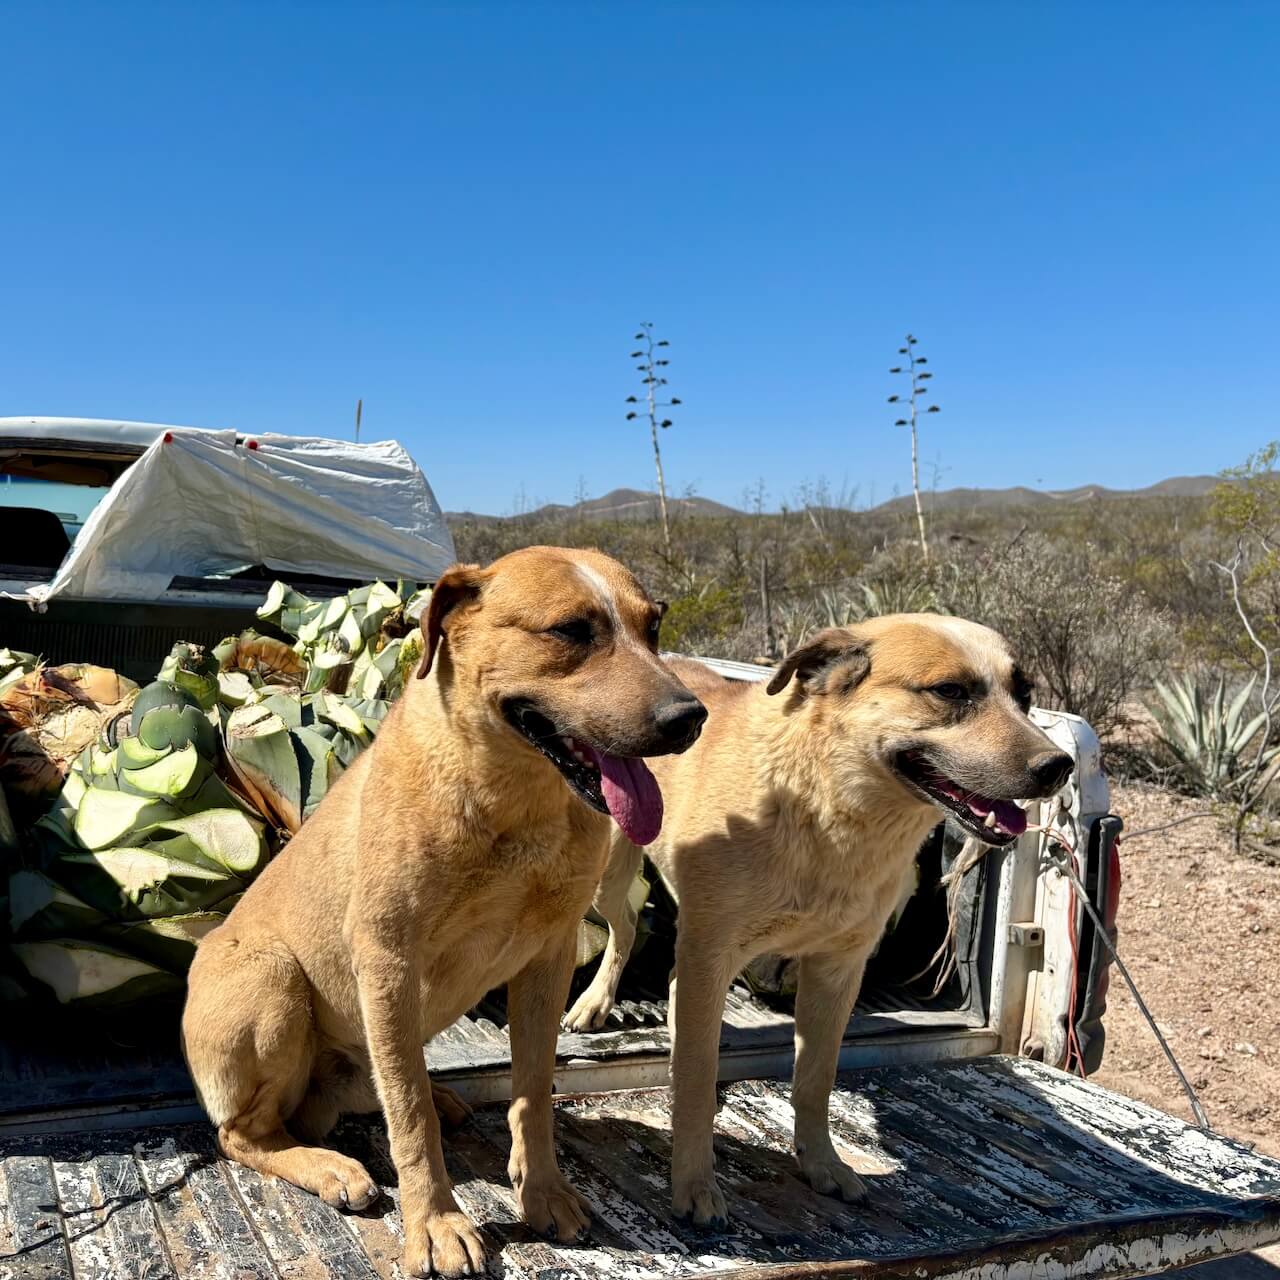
x,y
987,1152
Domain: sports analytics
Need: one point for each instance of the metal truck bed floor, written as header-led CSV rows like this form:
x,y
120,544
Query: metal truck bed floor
x,y
978,1169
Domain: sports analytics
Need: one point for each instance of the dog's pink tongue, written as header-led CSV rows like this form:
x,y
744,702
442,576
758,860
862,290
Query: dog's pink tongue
x,y
633,796
1010,818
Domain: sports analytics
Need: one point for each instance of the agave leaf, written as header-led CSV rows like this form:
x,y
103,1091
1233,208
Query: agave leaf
x,y
235,688
227,837
318,765
349,632
176,727
160,693
105,818
1238,704
133,753
39,905
168,941
288,706
341,714
281,597
261,752
334,612
86,973
212,793
178,774
592,940
129,882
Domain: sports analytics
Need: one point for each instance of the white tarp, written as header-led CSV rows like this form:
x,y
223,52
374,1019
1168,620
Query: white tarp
x,y
197,503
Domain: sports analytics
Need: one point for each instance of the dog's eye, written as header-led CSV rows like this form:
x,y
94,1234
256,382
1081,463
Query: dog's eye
x,y
950,691
655,626
574,631
1022,690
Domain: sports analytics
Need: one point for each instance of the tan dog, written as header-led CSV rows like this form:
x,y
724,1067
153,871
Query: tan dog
x,y
792,828
458,853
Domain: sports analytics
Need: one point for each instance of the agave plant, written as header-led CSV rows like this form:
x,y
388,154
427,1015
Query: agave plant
x,y
168,801
178,794
1210,740
363,641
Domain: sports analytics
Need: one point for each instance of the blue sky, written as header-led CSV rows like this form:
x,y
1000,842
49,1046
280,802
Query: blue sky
x,y
248,216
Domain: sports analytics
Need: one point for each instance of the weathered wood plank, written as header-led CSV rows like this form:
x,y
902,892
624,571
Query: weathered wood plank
x,y
38,1248
1204,1159
272,1216
870,1226
1034,1120
110,1224
891,1187
899,1112
975,1200
204,1225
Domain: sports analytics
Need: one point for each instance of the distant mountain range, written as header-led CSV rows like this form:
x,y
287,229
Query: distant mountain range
x,y
635,504
621,504
951,499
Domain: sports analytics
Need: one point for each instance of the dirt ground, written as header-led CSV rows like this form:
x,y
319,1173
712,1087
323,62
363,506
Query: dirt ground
x,y
1199,929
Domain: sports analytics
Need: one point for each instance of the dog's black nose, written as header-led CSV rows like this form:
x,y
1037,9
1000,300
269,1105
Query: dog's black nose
x,y
1050,769
680,720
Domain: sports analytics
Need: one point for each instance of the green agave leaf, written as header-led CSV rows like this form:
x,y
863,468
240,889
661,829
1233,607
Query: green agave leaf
x,y
86,973
178,774
176,727
349,632
318,766
226,837
1238,704
262,752
105,818
39,905
168,941
132,882
235,688
282,597
159,693
288,706
133,753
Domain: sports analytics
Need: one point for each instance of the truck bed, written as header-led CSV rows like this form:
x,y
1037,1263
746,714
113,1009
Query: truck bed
x,y
979,1169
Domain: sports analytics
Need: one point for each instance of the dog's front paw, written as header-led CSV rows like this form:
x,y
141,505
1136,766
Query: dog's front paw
x,y
340,1181
590,1011
553,1207
699,1198
827,1174
443,1244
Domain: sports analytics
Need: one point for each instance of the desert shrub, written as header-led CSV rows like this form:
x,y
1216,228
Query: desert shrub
x,y
1090,640
706,622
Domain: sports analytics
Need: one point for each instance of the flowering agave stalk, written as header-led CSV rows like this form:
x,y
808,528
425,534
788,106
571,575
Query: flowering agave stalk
x,y
918,379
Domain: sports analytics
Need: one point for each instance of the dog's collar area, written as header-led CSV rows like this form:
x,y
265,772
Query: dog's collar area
x,y
569,756
995,822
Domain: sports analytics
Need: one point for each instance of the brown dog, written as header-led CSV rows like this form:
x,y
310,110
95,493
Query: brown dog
x,y
792,828
458,853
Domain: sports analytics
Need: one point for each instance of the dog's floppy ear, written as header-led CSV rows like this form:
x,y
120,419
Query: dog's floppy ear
x,y
815,662
459,584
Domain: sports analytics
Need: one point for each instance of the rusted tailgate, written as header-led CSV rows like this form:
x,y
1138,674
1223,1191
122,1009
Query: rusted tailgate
x,y
981,1169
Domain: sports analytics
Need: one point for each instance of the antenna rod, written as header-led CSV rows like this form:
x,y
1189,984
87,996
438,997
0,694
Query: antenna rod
x,y
359,411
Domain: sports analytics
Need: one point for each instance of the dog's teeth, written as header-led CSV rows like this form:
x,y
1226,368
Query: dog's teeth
x,y
990,821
